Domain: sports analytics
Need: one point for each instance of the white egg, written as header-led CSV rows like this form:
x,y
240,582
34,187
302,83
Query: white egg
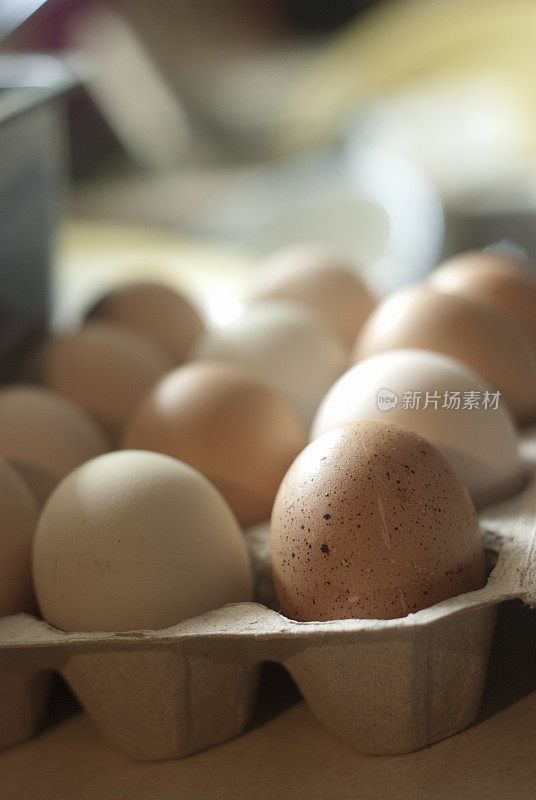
x,y
284,345
137,540
480,442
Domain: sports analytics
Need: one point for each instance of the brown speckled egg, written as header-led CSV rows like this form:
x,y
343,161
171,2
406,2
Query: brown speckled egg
x,y
103,368
155,311
477,335
231,427
321,280
504,282
371,522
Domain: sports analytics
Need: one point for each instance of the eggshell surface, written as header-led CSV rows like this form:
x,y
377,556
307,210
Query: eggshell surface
x,y
228,425
371,522
135,540
440,399
45,434
283,345
484,340
503,282
103,368
154,311
18,519
320,280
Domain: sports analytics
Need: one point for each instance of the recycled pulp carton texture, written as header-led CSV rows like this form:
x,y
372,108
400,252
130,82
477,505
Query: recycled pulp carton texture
x,y
384,686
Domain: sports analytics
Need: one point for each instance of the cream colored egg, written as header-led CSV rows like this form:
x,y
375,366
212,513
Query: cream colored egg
x,y
440,399
322,281
284,345
137,540
103,368
18,518
45,435
483,339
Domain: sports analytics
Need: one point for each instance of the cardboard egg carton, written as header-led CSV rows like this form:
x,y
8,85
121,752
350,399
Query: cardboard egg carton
x,y
383,686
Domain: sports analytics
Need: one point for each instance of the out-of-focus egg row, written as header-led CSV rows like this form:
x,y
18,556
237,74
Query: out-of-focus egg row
x,y
309,317
243,421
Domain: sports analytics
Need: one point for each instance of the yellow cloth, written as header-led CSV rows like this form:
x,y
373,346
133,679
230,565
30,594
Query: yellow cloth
x,y
409,43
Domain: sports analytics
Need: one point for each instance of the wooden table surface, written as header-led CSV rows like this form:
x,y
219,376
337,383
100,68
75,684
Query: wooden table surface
x,y
289,757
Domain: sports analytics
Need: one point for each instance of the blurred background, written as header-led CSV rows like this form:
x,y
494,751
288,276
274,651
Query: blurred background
x,y
187,139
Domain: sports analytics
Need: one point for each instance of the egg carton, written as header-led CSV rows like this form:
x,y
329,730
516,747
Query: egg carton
x,y
383,686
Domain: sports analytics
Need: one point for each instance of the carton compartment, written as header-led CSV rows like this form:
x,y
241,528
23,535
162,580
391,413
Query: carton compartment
x,y
383,686
23,704
411,686
159,704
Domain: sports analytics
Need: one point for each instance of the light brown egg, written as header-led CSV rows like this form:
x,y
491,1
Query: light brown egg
x,y
103,368
371,522
45,435
158,312
320,280
231,427
134,540
475,334
18,518
504,282
40,482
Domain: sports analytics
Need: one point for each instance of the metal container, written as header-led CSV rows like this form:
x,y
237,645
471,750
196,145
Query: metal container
x,y
33,161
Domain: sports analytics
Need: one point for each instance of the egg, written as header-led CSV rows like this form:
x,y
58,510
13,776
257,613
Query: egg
x,y
284,345
371,522
45,435
18,518
443,401
493,347
135,540
103,368
322,281
230,426
505,283
154,311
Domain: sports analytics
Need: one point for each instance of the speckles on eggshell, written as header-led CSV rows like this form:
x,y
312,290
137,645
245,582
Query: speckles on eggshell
x,y
412,511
